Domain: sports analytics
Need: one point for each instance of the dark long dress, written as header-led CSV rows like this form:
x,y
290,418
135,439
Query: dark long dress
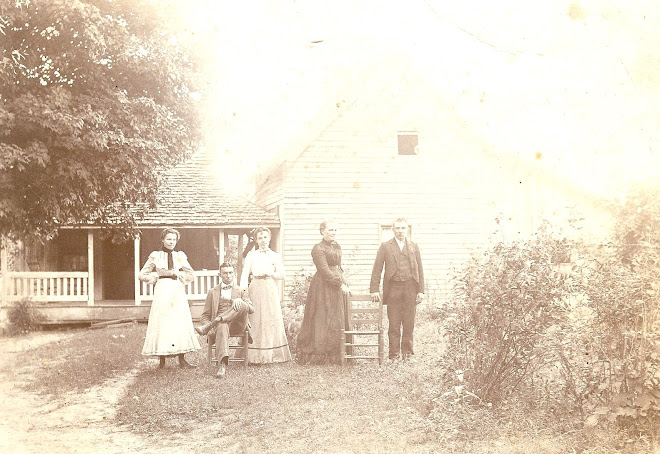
x,y
325,308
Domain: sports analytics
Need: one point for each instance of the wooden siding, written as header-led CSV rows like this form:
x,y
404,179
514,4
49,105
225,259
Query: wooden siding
x,y
449,218
270,191
451,192
353,174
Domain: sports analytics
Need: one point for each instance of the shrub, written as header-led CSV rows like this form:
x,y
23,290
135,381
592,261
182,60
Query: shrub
x,y
24,318
503,305
293,314
624,295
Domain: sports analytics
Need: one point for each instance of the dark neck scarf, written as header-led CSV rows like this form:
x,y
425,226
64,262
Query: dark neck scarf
x,y
170,260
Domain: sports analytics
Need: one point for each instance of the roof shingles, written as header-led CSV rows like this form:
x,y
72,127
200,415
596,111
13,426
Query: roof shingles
x,y
191,195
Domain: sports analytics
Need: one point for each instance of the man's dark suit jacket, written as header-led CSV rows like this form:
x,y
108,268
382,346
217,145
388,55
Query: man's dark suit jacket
x,y
388,255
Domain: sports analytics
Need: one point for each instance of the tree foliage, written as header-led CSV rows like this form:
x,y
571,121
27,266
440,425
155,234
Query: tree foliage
x,y
97,97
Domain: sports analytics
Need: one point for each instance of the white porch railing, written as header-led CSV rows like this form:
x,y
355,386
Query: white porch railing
x,y
204,281
49,286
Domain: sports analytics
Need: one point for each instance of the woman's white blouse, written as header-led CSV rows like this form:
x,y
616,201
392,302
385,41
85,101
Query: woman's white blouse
x,y
158,259
261,262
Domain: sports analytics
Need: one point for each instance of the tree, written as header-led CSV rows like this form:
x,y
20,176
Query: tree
x,y
97,98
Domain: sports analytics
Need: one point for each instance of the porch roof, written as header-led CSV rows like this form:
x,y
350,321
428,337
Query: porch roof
x,y
192,195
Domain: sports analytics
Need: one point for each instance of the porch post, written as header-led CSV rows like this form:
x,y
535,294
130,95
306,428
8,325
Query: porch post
x,y
136,260
239,258
221,247
90,267
4,269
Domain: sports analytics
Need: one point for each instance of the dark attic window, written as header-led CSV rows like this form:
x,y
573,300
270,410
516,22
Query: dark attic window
x,y
408,142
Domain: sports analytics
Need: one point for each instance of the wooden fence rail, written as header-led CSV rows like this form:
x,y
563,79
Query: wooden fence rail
x,y
49,286
204,281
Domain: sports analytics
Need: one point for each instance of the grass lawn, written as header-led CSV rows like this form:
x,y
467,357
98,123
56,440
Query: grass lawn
x,y
361,408
398,407
84,360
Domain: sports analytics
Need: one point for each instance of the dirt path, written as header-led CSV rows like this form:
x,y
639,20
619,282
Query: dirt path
x,y
333,414
32,424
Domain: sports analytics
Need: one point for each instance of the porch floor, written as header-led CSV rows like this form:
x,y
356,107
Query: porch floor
x,y
102,310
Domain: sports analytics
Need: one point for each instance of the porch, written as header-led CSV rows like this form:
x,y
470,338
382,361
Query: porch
x,y
112,290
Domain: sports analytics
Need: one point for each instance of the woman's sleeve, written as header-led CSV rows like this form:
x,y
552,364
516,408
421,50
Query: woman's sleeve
x,y
147,273
280,273
186,275
321,262
247,267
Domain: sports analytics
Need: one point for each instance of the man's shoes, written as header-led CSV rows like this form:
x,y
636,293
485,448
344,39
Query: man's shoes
x,y
204,329
186,365
222,370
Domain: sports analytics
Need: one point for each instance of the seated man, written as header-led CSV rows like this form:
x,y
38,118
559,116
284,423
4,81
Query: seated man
x,y
225,313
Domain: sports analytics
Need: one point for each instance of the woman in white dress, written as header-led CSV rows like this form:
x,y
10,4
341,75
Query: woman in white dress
x,y
269,338
170,331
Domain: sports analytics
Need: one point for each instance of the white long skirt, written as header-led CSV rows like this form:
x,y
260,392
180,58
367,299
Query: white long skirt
x,y
170,330
270,344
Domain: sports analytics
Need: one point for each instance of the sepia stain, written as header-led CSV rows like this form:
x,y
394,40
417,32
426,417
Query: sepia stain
x,y
357,185
538,155
576,12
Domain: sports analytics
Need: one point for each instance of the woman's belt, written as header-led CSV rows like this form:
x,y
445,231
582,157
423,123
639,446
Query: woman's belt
x,y
261,277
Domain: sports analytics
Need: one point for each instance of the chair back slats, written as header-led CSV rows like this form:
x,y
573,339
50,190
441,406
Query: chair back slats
x,y
362,315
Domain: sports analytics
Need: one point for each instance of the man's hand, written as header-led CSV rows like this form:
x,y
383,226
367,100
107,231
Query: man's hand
x,y
237,304
375,297
420,298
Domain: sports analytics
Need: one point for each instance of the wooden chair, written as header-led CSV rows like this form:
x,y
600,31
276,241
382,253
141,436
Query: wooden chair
x,y
365,320
243,346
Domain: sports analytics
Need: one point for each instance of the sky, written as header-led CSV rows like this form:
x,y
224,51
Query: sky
x,y
571,85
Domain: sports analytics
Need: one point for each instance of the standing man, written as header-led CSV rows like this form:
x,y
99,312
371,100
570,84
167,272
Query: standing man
x,y
403,287
225,313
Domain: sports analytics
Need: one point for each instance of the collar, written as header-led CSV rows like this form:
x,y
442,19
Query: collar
x,y
264,251
224,286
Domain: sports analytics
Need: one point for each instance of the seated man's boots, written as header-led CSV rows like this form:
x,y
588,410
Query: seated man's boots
x,y
204,329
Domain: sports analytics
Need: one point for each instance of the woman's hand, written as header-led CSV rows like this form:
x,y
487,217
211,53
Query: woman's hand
x,y
345,289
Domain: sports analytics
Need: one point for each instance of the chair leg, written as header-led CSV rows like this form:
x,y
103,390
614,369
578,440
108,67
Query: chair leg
x,y
381,346
342,348
211,355
245,349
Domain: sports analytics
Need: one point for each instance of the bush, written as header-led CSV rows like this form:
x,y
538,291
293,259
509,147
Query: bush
x,y
622,382
293,314
584,336
24,318
624,374
503,305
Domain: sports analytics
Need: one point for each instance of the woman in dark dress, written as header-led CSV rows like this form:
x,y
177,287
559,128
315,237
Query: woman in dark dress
x,y
325,308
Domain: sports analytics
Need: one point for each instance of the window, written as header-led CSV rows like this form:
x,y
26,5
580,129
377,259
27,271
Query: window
x,y
408,143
